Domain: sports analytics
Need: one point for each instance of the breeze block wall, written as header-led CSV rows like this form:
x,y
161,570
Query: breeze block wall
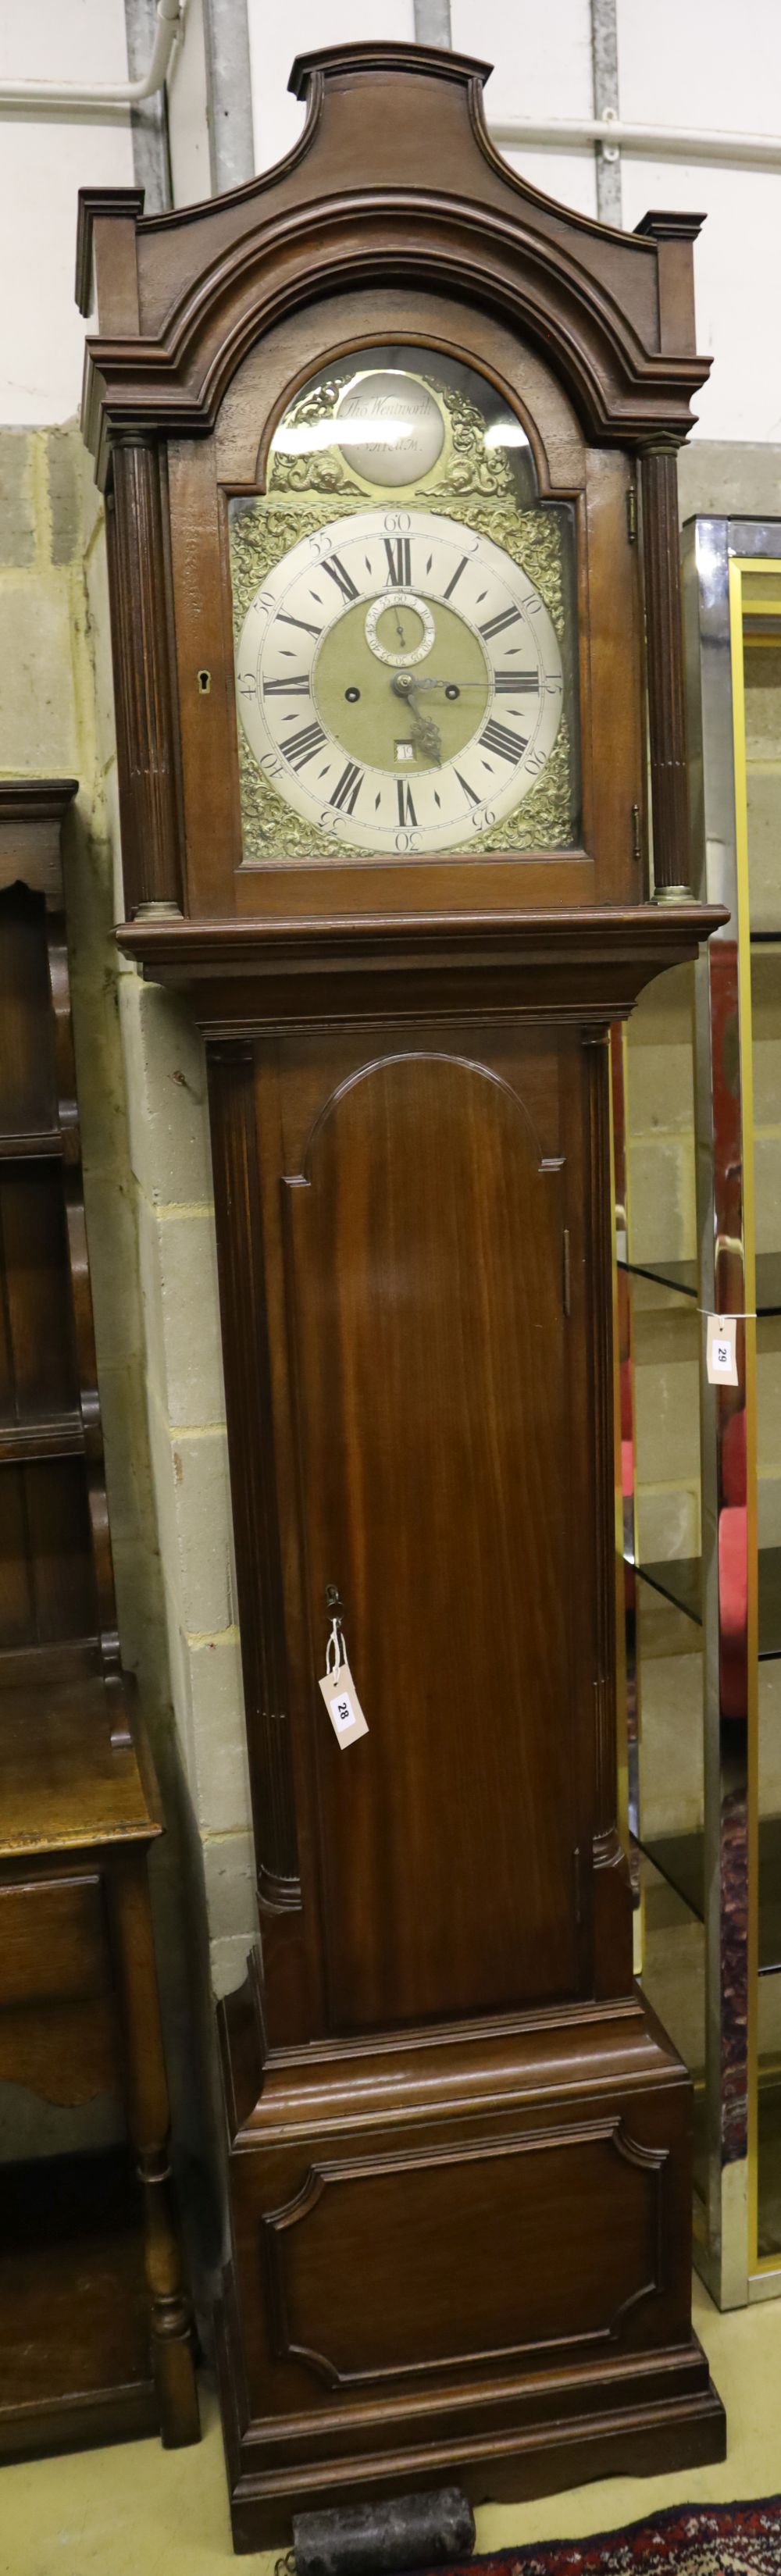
x,y
147,1182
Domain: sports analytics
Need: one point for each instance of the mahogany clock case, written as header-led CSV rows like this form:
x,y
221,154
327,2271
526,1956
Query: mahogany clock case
x,y
459,2145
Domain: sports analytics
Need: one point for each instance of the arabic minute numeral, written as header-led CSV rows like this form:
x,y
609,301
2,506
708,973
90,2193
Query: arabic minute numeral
x,y
507,745
536,762
302,746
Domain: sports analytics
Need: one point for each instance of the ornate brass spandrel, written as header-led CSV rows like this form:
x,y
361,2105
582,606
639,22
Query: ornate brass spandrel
x,y
466,466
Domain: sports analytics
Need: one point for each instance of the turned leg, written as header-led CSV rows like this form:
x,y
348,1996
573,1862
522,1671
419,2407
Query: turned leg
x,y
147,2110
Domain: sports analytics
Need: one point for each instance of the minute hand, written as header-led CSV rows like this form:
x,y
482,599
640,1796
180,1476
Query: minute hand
x,y
524,680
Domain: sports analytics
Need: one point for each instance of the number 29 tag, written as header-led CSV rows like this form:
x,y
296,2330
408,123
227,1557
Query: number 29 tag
x,y
344,1707
721,1357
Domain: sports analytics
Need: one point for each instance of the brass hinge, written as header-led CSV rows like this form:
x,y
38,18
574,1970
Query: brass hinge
x,y
576,1868
637,843
566,1282
631,513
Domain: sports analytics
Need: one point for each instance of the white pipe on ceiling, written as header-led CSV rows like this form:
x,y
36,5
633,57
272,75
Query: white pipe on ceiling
x,y
81,94
653,142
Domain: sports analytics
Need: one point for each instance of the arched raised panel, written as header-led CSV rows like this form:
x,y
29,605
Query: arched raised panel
x,y
428,1353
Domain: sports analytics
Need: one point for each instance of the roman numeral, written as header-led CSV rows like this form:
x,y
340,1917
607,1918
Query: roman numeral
x,y
447,594
407,812
516,680
348,787
496,625
473,793
302,746
498,738
298,687
399,570
343,579
285,620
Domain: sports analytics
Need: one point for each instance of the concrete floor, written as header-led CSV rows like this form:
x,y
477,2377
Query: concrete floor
x,y
136,2510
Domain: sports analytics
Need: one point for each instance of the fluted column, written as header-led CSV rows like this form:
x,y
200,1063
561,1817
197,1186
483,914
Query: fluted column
x,y
142,634
666,696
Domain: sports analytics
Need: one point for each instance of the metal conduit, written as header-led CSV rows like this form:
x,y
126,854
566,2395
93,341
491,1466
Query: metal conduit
x,y
652,142
47,95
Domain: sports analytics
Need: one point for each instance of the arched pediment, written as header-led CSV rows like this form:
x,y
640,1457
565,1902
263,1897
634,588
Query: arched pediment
x,y
394,180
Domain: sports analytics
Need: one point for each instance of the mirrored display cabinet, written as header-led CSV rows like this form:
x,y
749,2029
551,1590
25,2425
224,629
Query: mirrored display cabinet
x,y
697,1126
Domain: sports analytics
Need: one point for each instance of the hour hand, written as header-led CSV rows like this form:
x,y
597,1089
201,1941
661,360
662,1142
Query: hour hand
x,y
425,734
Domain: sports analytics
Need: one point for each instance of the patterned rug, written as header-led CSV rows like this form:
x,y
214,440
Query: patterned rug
x,y
689,2540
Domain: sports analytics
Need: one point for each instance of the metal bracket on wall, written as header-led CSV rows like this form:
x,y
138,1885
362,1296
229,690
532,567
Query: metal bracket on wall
x,y
604,75
433,26
432,23
149,115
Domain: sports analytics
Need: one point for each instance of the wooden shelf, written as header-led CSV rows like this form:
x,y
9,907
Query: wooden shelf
x,y
679,1580
79,2314
680,1860
96,2340
683,1277
63,1785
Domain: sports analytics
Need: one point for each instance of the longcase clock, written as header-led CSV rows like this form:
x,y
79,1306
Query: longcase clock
x,y
388,445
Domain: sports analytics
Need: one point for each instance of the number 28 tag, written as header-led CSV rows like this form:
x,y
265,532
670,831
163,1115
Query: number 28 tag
x,y
344,1707
721,1350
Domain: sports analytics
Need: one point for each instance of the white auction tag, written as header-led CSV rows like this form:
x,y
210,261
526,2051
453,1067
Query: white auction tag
x,y
721,1359
344,1707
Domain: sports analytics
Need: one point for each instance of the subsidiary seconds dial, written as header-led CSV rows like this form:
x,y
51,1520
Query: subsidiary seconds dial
x,y
399,681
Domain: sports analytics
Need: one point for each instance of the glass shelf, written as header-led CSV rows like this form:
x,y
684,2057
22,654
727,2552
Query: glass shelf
x,y
679,1580
683,1278
681,1275
680,1860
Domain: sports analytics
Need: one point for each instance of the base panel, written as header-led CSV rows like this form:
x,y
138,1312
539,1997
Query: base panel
x,y
467,2255
638,2441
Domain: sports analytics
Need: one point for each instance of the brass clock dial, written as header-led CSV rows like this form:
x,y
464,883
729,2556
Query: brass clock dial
x,y
400,681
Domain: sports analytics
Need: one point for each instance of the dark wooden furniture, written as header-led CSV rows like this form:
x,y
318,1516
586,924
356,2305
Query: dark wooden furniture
x,y
459,2144
96,2338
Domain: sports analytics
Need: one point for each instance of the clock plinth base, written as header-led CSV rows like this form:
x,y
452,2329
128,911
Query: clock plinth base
x,y
458,2254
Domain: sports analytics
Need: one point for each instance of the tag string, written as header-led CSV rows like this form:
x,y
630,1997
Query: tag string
x,y
749,1317
335,1648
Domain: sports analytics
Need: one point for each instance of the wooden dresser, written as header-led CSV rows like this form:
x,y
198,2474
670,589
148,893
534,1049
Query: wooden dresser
x,y
96,2338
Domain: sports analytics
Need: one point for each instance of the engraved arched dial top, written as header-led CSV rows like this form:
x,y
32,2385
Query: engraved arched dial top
x,y
404,664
